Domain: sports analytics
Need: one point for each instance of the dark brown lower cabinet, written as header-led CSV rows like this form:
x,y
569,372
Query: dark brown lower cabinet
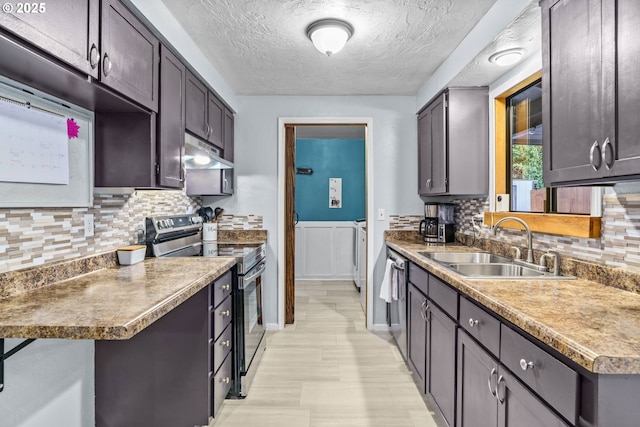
x,y
477,370
417,325
432,351
176,372
490,396
159,377
441,361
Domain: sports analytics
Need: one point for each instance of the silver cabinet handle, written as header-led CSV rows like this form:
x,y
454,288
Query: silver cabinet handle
x,y
526,365
94,56
429,184
500,396
423,310
226,343
208,130
225,380
607,144
225,313
225,287
492,388
106,65
473,322
593,157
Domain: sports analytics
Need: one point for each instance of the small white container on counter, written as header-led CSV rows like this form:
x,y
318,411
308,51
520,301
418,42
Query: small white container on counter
x,y
209,249
210,231
132,254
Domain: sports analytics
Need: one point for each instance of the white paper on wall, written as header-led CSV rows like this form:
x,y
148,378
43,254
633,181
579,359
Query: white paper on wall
x,y
34,145
335,192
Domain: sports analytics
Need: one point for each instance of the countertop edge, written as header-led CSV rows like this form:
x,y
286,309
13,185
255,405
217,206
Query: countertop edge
x,y
592,362
120,331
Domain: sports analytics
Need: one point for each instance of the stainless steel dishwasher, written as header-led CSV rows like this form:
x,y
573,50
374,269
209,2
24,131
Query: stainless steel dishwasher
x,y
397,309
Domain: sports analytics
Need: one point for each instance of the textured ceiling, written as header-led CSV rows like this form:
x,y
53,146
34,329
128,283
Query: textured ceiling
x,y
260,46
524,32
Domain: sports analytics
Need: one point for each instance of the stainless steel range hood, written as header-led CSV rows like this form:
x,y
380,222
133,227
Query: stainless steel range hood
x,y
202,155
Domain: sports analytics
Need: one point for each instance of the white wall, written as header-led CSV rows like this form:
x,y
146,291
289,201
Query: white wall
x,y
256,158
49,383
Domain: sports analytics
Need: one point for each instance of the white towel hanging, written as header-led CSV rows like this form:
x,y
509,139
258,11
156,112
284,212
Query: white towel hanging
x,y
387,285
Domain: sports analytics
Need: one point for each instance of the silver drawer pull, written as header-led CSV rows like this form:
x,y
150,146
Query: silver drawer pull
x,y
492,388
225,313
593,157
526,365
226,343
225,380
473,322
225,287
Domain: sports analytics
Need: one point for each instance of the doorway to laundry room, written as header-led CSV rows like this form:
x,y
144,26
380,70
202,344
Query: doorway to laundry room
x,y
327,192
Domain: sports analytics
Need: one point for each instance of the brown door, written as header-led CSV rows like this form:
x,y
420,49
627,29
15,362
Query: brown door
x,y
290,231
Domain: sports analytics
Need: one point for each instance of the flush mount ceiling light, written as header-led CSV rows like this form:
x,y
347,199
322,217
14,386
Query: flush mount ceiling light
x,y
329,35
507,57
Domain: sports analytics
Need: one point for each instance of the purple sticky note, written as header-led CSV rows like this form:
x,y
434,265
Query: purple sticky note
x,y
72,128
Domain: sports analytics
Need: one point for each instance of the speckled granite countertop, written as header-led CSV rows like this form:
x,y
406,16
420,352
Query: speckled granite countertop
x,y
596,326
109,304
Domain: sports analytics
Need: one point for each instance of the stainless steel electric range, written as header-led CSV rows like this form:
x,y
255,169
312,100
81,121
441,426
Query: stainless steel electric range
x,y
181,236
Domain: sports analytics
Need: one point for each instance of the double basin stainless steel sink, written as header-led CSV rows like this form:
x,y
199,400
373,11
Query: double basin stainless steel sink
x,y
482,265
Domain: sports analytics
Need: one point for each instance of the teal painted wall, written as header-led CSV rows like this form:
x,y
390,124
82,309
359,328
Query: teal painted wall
x,y
330,158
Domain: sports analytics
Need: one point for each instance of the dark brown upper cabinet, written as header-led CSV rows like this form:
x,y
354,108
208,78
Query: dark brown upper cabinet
x,y
145,150
207,117
228,134
590,95
66,29
129,61
101,39
171,120
453,143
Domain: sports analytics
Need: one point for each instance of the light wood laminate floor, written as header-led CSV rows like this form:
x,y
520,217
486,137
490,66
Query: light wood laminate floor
x,y
328,370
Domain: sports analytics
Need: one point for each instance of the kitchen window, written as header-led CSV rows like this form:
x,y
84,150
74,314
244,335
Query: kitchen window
x,y
572,211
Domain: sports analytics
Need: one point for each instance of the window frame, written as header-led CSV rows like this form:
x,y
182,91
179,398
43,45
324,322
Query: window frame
x,y
587,226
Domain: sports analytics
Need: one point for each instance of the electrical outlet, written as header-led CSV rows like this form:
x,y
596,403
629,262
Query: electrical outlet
x,y
88,225
381,214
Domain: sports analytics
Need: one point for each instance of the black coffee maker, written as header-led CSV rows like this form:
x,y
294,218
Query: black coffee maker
x,y
428,228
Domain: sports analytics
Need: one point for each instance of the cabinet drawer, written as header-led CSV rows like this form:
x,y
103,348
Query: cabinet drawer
x,y
551,379
480,325
221,385
222,347
419,278
221,288
444,295
221,318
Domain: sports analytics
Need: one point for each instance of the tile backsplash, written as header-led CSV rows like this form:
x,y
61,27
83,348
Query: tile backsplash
x,y
618,246
34,236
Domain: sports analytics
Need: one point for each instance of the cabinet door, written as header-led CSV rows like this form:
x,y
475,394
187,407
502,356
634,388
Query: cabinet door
x,y
438,125
441,361
171,120
476,379
573,111
625,150
215,116
432,148
196,107
66,29
424,153
417,350
520,407
228,135
129,55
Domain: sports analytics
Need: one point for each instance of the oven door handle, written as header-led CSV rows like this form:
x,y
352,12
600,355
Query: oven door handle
x,y
260,268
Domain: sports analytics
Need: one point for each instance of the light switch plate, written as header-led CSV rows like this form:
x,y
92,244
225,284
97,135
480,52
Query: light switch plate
x,y
381,214
503,203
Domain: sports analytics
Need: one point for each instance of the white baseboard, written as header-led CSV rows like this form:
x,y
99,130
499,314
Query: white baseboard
x,y
271,327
